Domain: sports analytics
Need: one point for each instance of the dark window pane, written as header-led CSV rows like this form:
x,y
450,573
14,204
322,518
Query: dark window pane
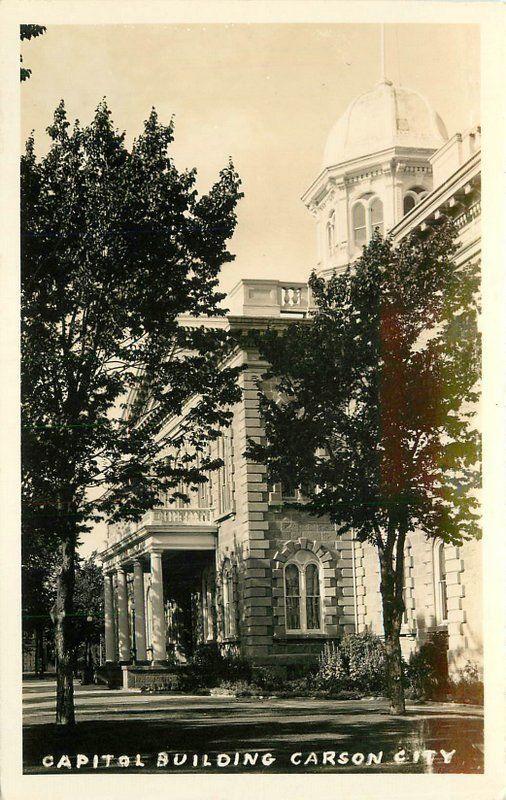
x,y
313,613
292,592
409,203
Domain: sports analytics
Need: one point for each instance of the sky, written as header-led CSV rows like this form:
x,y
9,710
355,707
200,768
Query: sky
x,y
265,95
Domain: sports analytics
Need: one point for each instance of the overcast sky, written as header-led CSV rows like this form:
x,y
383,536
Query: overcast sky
x,y
267,95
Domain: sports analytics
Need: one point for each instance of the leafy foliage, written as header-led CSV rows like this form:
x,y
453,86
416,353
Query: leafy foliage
x,y
375,395
356,663
29,32
426,673
116,245
374,402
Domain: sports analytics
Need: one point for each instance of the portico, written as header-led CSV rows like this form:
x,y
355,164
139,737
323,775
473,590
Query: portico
x,y
137,568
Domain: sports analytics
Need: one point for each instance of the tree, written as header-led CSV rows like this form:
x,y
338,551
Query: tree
x,y
374,407
29,32
116,245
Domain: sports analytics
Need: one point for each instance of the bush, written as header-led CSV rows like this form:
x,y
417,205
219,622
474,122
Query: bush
x,y
209,667
426,673
356,664
467,686
364,657
332,674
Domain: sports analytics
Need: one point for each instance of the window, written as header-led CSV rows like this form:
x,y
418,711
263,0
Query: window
x,y
303,594
413,197
440,589
331,233
359,226
367,216
376,215
228,599
406,589
409,202
225,499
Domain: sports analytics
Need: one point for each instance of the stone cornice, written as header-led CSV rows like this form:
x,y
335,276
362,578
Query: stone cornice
x,y
370,165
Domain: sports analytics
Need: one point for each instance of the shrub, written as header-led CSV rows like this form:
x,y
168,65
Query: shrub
x,y
467,687
426,673
332,674
364,657
355,665
209,667
272,678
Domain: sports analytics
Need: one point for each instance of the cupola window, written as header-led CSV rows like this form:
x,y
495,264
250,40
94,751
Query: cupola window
x,y
331,233
413,197
359,224
367,215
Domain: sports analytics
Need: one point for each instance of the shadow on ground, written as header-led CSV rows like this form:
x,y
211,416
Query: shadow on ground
x,y
274,727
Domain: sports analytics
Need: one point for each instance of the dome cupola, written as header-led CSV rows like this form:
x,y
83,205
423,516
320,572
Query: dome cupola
x,y
382,118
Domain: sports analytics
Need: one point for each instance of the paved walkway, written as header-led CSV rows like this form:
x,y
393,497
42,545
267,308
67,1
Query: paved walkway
x,y
288,735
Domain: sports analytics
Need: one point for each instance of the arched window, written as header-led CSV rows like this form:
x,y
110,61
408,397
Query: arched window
x,y
413,197
376,215
228,600
440,589
331,233
367,216
303,593
359,224
409,202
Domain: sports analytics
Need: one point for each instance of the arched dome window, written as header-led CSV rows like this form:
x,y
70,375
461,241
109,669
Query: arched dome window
x,y
413,197
359,224
303,593
331,232
376,215
367,216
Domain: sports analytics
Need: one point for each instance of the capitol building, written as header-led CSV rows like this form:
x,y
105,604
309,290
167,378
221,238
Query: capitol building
x,y
218,570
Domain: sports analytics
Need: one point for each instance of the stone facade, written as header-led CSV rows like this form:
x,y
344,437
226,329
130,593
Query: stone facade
x,y
219,570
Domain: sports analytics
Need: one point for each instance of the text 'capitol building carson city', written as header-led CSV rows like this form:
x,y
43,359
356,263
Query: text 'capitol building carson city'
x,y
219,569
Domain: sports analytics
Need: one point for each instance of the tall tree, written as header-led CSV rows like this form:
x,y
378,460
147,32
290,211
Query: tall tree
x,y
116,245
374,406
28,32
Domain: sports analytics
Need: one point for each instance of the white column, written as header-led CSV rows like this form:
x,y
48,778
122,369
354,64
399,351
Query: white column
x,y
140,619
110,632
123,627
158,609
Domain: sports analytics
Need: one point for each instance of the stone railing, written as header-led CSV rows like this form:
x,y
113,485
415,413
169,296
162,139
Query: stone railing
x,y
291,297
471,213
180,516
161,515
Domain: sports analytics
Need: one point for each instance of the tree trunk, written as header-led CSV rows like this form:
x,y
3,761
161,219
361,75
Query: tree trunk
x,y
62,619
391,596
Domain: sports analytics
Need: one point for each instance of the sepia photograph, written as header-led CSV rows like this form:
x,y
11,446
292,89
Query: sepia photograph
x,y
251,398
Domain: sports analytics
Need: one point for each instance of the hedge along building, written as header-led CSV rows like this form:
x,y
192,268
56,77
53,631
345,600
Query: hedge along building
x,y
235,567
